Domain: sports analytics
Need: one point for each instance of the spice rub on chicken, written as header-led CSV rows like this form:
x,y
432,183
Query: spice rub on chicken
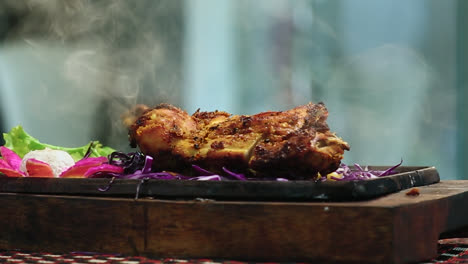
x,y
293,144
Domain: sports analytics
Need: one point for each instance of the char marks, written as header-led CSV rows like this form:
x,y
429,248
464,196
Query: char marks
x,y
294,144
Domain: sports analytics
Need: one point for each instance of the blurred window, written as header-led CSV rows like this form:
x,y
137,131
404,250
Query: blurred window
x,y
391,72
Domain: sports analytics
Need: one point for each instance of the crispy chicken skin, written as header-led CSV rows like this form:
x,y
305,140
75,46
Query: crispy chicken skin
x,y
293,144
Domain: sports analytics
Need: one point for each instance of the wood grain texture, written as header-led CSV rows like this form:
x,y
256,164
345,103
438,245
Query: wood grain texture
x,y
393,229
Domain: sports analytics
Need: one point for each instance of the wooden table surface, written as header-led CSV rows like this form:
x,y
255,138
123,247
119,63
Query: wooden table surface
x,y
396,228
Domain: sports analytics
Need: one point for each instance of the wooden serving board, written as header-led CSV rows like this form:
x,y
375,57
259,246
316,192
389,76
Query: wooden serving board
x,y
406,177
395,228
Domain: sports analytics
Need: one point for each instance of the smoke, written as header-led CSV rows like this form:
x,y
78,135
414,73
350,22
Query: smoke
x,y
113,53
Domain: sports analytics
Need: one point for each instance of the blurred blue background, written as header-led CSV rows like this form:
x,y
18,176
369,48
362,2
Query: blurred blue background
x,y
392,73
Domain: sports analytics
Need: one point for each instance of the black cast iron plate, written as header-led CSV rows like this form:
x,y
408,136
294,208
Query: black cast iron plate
x,y
406,177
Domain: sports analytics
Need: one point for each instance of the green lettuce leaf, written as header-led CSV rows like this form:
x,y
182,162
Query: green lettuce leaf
x,y
21,143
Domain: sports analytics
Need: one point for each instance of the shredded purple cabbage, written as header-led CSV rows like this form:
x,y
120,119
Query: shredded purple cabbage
x,y
88,151
207,178
201,171
105,189
359,173
236,176
139,166
131,162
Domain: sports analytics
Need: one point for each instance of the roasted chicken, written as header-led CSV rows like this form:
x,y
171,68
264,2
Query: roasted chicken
x,y
294,144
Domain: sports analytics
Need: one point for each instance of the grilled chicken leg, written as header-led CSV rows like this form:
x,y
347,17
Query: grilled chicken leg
x,y
293,144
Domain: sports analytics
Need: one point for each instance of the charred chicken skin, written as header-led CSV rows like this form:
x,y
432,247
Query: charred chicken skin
x,y
293,144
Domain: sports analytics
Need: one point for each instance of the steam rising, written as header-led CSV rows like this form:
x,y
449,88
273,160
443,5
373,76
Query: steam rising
x,y
386,72
115,53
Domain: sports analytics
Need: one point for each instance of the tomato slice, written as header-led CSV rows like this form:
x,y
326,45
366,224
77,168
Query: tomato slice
x,y
37,168
82,166
6,169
